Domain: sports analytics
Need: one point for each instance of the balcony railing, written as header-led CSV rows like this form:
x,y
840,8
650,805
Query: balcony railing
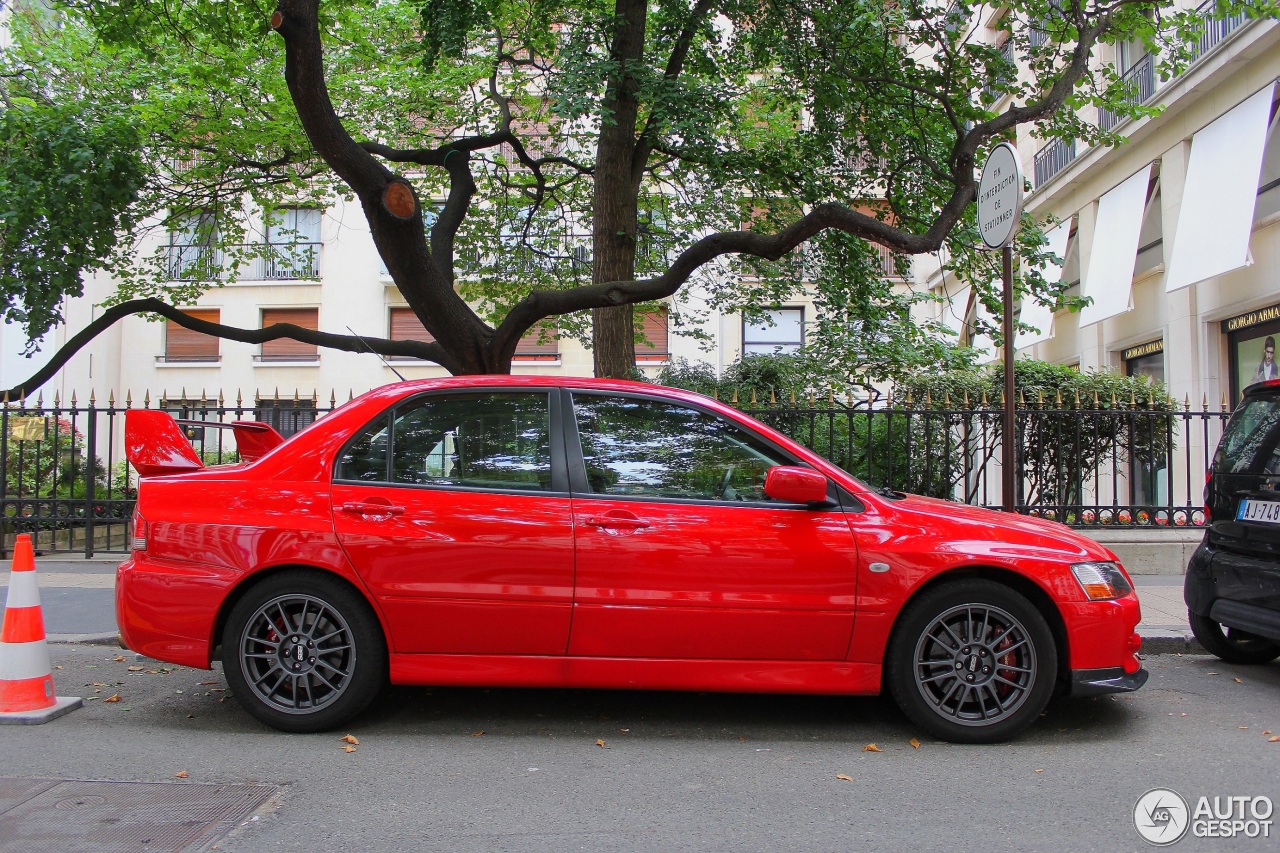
x,y
282,262
1216,29
1139,84
1052,159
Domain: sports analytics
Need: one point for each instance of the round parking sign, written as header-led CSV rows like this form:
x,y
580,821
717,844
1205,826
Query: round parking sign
x,y
1000,197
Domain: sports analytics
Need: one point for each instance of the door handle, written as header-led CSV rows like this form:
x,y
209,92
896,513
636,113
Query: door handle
x,y
607,521
369,508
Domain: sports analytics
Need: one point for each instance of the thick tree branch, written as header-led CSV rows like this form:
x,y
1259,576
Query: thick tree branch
x,y
276,331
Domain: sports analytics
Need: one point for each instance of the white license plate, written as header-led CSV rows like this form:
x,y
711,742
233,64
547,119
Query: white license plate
x,y
1266,512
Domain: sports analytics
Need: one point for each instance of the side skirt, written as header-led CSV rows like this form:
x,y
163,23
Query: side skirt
x,y
725,676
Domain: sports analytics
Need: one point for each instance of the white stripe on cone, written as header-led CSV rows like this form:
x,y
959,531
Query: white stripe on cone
x,y
23,590
20,661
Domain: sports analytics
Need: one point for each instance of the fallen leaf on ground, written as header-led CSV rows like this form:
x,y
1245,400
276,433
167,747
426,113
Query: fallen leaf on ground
x,y
118,658
1242,728
181,774
844,777
600,743
114,697
1039,769
348,748
58,666
871,747
915,744
1211,673
351,739
1274,739
478,733
205,683
1238,681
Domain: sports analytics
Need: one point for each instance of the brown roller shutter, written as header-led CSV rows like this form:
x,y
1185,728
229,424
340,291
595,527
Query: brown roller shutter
x,y
182,344
532,348
286,349
405,326
653,327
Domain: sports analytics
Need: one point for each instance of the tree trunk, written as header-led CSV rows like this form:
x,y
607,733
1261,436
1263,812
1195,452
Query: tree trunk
x,y
617,187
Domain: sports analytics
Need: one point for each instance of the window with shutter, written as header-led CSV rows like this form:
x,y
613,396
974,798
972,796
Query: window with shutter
x,y
287,349
653,330
182,344
405,326
537,346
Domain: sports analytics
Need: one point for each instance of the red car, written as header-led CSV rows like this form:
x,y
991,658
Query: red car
x,y
533,531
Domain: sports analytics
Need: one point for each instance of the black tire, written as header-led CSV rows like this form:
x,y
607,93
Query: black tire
x,y
1232,644
972,661
326,668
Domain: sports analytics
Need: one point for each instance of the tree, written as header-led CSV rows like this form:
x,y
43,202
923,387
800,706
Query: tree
x,y
720,136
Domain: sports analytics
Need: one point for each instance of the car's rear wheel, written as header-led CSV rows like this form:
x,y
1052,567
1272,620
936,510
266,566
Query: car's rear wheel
x,y
1232,644
972,662
303,652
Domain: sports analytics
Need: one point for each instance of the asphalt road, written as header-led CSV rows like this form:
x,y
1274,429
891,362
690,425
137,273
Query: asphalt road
x,y
529,770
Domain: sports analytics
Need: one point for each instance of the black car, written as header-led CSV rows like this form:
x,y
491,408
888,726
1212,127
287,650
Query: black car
x,y
1232,588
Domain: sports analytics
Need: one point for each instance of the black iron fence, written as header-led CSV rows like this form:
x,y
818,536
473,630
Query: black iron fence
x,y
64,481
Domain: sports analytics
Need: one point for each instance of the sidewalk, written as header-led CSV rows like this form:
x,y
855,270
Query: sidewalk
x,y
1164,626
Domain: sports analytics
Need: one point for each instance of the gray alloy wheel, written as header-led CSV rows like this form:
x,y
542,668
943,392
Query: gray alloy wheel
x,y
1231,644
303,653
972,662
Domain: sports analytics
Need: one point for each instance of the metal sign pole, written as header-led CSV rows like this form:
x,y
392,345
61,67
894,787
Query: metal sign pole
x,y
999,214
1008,446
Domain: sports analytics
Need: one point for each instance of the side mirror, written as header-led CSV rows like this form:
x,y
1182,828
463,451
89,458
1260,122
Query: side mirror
x,y
793,484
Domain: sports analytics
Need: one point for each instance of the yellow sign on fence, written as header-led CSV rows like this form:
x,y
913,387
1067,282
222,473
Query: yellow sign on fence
x,y
27,429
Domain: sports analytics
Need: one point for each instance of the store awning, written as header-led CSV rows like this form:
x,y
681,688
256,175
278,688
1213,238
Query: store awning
x,y
1109,277
1216,216
1033,312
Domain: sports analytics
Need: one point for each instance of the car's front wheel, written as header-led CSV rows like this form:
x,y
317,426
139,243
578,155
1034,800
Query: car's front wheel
x,y
1232,644
303,652
972,662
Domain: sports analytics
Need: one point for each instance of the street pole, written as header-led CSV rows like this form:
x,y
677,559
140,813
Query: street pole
x,y
1008,444
999,214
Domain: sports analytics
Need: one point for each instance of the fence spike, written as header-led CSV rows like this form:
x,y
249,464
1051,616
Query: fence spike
x,y
1114,403
1204,402
111,399
1223,404
1097,402
57,399
277,396
333,399
946,397
239,399
128,399
848,399
715,393
40,400
146,400
92,399
6,399
753,397
1133,398
22,399
222,401
351,395
773,399
1186,402
734,399
295,394
793,397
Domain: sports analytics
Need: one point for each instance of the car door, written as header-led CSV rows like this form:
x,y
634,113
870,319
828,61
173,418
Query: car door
x,y
454,509
679,552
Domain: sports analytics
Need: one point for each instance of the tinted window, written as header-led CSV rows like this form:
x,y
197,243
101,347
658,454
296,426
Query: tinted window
x,y
657,449
1250,443
488,441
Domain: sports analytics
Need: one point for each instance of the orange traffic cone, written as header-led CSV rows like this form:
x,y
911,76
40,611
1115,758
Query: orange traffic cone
x,y
26,677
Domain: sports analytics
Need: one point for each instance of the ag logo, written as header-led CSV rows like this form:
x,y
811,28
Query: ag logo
x,y
1161,816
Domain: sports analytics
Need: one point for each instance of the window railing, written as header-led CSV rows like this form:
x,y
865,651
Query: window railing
x,y
1215,29
281,262
1139,84
1052,159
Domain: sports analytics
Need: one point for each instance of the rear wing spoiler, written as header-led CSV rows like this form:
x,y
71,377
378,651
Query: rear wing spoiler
x,y
154,442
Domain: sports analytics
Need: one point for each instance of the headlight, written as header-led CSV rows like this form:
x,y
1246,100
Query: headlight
x,y
1101,581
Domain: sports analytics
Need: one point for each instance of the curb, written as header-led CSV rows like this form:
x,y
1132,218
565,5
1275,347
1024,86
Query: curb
x,y
83,639
1169,641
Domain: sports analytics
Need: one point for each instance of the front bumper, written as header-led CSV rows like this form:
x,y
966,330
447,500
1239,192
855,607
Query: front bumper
x,y
1112,679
